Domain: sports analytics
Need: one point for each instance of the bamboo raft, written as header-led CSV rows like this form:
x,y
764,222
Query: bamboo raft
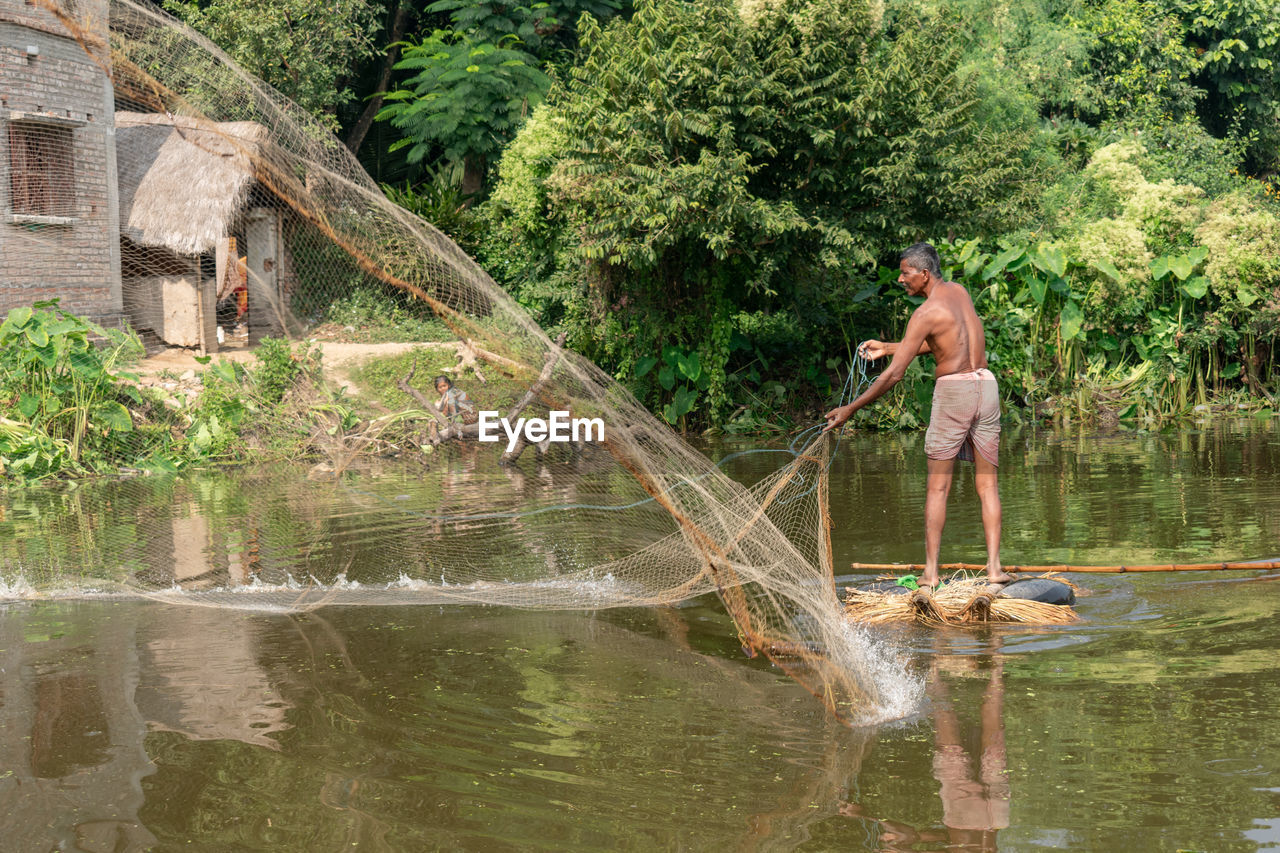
x,y
964,600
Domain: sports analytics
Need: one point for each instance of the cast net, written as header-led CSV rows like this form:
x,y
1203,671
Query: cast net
x,y
235,216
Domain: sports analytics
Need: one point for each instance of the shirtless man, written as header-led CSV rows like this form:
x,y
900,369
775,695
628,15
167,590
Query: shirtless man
x,y
965,422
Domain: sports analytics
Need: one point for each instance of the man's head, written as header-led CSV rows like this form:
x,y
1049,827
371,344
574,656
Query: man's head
x,y
919,264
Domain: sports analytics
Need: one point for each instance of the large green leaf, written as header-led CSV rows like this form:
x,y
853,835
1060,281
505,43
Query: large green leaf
x,y
1106,268
1050,259
975,263
1160,267
1038,287
1001,261
1196,288
683,401
867,292
1140,344
1181,266
85,364
61,327
690,367
923,392
47,356
644,365
112,415
1071,321
37,336
667,377
19,316
29,404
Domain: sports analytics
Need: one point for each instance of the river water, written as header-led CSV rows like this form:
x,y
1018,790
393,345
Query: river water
x,y
1149,725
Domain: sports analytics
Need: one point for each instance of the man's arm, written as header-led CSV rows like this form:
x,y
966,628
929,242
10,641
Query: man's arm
x,y
874,350
913,339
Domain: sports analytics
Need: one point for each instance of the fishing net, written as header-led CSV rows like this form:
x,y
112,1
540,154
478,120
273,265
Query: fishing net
x,y
230,215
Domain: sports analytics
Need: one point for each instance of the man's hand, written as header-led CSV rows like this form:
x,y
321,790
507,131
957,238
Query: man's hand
x,y
872,350
837,416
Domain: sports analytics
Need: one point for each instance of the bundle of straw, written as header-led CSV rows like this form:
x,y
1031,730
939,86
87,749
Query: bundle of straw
x,y
959,601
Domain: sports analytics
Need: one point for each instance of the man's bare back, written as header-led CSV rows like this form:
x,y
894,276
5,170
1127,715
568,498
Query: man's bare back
x,y
955,335
947,326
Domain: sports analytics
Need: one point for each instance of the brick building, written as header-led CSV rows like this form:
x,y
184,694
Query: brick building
x,y
59,210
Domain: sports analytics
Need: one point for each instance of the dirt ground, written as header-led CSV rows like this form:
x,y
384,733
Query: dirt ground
x,y
339,360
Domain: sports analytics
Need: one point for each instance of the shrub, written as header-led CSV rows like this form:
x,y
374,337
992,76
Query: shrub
x,y
62,383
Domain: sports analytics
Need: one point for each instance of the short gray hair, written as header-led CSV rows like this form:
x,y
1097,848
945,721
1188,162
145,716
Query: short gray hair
x,y
923,256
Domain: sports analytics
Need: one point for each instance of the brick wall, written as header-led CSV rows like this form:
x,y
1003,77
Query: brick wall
x,y
76,257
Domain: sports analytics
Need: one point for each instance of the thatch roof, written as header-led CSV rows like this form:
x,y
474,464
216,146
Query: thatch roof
x,y
183,182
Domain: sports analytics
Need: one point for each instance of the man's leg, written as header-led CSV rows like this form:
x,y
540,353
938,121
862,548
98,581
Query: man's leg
x,y
985,479
935,516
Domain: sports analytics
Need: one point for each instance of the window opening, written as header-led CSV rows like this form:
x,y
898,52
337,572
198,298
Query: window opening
x,y
41,175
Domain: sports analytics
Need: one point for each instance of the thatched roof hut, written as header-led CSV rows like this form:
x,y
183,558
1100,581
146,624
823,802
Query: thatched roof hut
x,y
201,218
183,181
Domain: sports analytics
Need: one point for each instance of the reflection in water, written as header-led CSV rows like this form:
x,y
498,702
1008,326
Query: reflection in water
x,y
71,740
384,535
975,788
969,763
128,725
81,687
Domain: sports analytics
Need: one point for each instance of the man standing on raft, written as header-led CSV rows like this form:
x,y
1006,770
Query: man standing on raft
x,y
965,422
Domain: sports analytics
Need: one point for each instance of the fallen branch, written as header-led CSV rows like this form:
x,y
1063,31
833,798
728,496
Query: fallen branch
x,y
1257,565
494,358
510,456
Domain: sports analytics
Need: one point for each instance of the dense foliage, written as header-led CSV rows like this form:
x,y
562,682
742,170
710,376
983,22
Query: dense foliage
x,y
72,407
702,173
63,395
305,48
710,197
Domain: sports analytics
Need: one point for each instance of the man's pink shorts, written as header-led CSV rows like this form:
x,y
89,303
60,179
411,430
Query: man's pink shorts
x,y
965,418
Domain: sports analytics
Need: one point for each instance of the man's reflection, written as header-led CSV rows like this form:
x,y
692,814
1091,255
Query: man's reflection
x,y
975,788
974,785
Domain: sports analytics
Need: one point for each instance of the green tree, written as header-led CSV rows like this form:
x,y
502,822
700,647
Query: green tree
x,y
467,99
542,27
717,165
1239,46
475,82
304,48
1141,68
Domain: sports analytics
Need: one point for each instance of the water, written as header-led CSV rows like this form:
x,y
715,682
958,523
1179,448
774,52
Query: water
x,y
131,725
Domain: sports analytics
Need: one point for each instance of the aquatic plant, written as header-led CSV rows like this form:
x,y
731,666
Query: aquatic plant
x,y
62,383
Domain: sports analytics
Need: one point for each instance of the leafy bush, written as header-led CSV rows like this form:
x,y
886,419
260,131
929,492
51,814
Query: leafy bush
x,y
378,315
66,394
1140,65
278,368
700,164
1185,153
1239,46
440,200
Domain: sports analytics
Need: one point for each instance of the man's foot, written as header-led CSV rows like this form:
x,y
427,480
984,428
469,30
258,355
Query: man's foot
x,y
999,576
927,582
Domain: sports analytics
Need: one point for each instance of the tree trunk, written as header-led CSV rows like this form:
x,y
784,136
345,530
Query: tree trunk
x,y
399,23
472,177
